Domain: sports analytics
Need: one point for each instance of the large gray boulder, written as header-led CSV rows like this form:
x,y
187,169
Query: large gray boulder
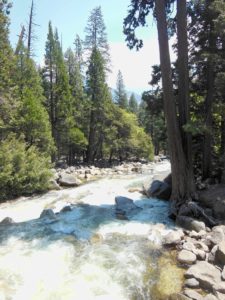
x,y
205,273
69,180
125,206
160,190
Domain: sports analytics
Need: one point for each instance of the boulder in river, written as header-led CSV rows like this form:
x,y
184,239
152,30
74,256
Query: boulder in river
x,y
160,190
125,206
69,180
7,221
48,213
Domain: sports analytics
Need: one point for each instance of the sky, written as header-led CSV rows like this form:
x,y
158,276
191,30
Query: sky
x,y
70,17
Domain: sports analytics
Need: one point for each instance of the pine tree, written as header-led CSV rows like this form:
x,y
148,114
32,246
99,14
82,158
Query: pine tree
x,y
79,52
96,37
6,54
57,91
133,105
99,95
31,118
120,93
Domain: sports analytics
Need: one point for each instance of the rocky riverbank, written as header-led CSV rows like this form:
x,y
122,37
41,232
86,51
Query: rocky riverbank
x,y
77,175
202,254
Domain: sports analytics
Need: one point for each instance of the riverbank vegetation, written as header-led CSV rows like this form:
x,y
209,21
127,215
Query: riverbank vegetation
x,y
191,97
62,111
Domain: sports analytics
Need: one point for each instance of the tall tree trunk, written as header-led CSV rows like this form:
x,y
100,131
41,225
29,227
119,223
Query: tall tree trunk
x,y
183,87
181,191
210,85
207,146
91,139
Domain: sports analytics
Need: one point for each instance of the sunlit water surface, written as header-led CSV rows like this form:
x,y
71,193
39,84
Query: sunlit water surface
x,y
86,253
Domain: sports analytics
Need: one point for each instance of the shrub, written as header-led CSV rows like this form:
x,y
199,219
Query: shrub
x,y
22,170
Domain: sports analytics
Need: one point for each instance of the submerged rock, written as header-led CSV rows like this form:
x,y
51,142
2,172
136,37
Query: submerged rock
x,y
48,213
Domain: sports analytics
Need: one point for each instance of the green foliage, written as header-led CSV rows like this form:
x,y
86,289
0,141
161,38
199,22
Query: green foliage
x,y
133,105
96,37
124,138
23,170
120,93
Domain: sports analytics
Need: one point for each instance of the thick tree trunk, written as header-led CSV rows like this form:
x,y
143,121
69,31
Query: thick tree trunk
x,y
180,186
183,87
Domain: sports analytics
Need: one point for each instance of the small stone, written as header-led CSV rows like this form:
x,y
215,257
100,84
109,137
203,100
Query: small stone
x,y
191,283
186,257
212,254
173,237
220,254
219,287
201,255
193,294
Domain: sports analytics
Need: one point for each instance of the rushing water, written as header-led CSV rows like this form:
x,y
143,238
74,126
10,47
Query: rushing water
x,y
85,253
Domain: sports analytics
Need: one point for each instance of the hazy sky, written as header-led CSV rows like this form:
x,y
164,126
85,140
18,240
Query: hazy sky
x,y
70,17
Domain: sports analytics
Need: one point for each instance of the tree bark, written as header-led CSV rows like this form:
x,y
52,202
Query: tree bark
x,y
183,87
180,186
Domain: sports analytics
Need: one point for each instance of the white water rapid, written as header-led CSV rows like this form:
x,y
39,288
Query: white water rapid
x,y
86,253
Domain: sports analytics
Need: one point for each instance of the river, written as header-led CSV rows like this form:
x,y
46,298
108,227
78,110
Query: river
x,y
86,253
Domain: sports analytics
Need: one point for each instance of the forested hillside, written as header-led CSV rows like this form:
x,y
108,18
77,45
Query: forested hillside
x,y
62,111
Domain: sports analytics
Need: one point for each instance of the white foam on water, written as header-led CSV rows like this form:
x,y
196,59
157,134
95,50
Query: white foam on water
x,y
83,254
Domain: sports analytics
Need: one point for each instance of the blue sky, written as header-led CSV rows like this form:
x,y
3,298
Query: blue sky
x,y
70,17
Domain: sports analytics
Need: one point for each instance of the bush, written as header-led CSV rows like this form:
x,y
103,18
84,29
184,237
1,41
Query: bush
x,y
22,170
